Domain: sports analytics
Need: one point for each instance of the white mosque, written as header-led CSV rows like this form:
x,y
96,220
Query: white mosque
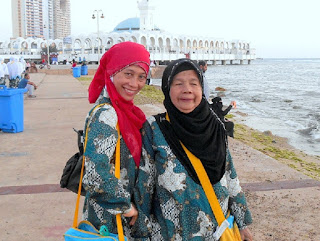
x,y
163,46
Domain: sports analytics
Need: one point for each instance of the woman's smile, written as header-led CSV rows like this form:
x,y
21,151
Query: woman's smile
x,y
186,91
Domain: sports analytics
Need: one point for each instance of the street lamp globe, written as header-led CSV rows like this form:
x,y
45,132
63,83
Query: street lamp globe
x,y
96,15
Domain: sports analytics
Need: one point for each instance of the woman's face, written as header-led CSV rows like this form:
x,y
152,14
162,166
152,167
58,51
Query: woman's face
x,y
129,81
186,91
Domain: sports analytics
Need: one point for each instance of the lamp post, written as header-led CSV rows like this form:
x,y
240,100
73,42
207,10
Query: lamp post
x,y
96,14
48,52
44,26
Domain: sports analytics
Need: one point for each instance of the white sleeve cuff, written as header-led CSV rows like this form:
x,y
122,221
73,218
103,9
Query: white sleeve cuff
x,y
128,210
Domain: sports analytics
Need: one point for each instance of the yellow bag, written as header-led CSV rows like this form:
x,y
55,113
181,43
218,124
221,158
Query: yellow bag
x,y
228,229
231,232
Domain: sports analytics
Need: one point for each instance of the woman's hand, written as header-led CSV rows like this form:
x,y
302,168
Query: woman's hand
x,y
233,104
133,213
246,235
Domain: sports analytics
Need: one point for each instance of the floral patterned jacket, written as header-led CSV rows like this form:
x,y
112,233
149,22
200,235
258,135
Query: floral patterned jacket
x,y
174,206
106,195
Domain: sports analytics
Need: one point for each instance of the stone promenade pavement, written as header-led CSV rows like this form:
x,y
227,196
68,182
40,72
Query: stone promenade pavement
x,y
32,206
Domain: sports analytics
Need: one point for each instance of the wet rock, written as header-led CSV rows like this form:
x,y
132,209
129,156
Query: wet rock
x,y
306,131
267,133
255,100
220,89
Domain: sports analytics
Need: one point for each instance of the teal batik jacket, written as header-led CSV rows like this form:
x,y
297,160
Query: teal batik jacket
x,y
106,195
174,206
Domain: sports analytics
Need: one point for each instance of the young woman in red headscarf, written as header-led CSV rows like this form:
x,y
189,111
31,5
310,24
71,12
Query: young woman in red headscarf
x,y
121,75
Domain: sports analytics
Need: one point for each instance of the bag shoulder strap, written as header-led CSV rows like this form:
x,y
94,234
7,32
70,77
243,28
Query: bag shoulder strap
x,y
117,175
76,212
205,183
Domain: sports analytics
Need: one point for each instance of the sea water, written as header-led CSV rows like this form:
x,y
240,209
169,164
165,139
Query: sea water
x,y
278,95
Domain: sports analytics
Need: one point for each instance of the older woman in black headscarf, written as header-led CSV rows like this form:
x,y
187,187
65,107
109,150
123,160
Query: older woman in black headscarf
x,y
169,192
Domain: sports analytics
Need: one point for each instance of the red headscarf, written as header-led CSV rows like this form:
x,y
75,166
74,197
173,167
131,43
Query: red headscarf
x,y
130,117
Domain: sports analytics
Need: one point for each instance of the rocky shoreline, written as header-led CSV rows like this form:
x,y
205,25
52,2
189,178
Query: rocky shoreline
x,y
150,101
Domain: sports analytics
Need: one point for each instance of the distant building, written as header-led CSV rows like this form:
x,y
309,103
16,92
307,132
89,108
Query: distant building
x,y
61,17
49,19
162,45
146,15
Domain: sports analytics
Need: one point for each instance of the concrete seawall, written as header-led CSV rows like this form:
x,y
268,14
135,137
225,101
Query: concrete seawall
x,y
63,71
157,71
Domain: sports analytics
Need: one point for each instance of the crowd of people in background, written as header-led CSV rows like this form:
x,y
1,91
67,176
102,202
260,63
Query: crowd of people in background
x,y
16,67
11,73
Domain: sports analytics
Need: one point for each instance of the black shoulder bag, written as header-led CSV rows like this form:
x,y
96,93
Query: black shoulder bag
x,y
71,172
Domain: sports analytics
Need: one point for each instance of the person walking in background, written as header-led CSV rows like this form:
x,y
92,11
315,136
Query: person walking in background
x,y
217,107
74,64
14,71
25,83
149,76
122,73
33,68
204,66
3,72
28,67
170,195
4,68
22,63
2,77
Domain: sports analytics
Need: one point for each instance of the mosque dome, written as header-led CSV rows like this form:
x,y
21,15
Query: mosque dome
x,y
129,25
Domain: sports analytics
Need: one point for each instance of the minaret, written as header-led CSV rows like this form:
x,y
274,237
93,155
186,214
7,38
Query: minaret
x,y
146,14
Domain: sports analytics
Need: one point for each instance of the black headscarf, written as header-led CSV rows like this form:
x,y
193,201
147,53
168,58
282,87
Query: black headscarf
x,y
200,131
216,100
217,107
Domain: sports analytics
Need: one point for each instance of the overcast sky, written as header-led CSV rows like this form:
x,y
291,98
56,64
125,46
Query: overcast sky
x,y
276,28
